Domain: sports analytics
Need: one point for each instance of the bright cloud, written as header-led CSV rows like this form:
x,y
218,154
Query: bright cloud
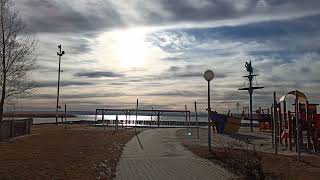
x,y
117,51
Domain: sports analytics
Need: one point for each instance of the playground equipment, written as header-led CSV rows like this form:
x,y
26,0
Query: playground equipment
x,y
264,119
300,128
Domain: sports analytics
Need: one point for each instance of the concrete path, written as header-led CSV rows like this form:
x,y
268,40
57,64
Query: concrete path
x,y
158,154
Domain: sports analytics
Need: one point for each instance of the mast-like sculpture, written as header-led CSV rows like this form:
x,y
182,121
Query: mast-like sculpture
x,y
60,54
251,88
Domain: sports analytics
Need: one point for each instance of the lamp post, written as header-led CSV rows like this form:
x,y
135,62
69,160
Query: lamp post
x,y
208,76
60,54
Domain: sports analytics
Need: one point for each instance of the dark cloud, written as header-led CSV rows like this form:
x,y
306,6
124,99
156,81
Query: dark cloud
x,y
211,10
175,93
62,84
305,70
174,68
98,74
83,16
184,72
66,17
79,96
173,58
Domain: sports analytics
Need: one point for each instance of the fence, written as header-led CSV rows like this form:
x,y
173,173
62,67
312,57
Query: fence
x,y
14,128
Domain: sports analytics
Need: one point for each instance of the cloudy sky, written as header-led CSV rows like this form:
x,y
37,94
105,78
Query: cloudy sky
x,y
156,50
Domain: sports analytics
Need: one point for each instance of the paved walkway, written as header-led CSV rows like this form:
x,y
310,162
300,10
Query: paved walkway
x,y
158,154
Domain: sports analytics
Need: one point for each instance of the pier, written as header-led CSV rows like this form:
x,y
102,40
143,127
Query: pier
x,y
148,112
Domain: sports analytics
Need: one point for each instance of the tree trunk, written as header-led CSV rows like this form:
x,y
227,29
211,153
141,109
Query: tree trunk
x,y
3,95
4,73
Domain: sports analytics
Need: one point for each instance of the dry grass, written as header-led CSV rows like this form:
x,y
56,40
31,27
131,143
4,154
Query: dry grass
x,y
258,165
52,152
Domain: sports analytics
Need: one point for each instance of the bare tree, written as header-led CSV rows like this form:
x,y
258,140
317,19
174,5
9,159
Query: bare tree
x,y
16,52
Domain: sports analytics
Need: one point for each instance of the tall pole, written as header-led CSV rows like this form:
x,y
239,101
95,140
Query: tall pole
x,y
60,54
65,115
297,124
104,127
95,117
275,134
250,93
238,104
186,113
209,75
250,89
196,113
209,125
135,126
151,117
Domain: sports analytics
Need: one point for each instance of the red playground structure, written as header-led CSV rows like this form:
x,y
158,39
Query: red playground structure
x,y
299,129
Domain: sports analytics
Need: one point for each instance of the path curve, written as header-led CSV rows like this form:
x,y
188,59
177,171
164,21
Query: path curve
x,y
158,154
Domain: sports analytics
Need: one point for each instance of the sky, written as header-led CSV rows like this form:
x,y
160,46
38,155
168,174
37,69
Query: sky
x,y
156,51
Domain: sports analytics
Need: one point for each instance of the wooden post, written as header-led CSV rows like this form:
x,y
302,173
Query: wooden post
x,y
151,118
135,124
104,127
126,119
285,119
196,113
280,122
185,107
189,118
290,129
274,124
297,124
308,125
117,123
95,117
271,126
65,115
158,118
260,118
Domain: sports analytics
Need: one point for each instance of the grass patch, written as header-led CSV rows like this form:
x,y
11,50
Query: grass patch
x,y
235,159
53,152
257,165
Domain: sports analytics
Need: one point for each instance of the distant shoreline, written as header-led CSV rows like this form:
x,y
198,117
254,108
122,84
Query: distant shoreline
x,y
36,115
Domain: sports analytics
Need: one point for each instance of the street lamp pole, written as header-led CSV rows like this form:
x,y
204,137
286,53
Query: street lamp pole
x,y
209,75
209,125
60,54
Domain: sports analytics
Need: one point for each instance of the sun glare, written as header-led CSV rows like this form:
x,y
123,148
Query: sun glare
x,y
129,48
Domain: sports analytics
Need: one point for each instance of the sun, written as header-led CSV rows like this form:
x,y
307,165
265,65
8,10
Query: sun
x,y
129,48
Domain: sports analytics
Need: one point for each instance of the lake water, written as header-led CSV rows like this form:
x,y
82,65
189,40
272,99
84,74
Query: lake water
x,y
131,118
